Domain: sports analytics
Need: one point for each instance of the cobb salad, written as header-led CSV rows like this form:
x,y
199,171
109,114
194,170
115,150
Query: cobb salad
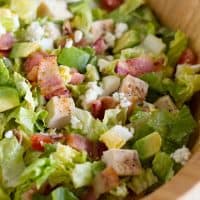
x,y
93,100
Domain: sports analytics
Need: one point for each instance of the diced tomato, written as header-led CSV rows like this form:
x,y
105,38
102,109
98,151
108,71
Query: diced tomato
x,y
80,143
38,141
105,181
77,78
137,66
100,46
6,41
188,57
99,106
110,5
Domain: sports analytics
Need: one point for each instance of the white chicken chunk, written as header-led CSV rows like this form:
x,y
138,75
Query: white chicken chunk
x,y
134,88
166,102
125,162
60,110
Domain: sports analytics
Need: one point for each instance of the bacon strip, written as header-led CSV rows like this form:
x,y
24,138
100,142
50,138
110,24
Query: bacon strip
x,y
6,41
49,79
100,46
137,66
80,143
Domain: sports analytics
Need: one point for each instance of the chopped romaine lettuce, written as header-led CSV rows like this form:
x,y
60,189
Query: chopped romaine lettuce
x,y
176,47
11,161
62,193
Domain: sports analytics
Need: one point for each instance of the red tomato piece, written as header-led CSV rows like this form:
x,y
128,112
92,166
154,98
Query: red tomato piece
x,y
188,57
110,5
38,141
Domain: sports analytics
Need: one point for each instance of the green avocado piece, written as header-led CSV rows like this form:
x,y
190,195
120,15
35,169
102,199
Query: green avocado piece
x,y
9,98
24,49
74,57
163,166
128,39
148,145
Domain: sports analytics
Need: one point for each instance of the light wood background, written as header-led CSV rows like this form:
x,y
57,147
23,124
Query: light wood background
x,y
183,15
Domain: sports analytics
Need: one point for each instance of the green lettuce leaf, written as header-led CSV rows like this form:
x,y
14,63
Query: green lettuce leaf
x,y
87,125
3,195
83,16
4,73
24,90
11,161
115,116
176,47
62,193
122,13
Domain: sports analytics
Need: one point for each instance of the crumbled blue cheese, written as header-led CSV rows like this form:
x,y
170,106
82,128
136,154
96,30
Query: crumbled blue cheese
x,y
76,123
2,30
181,155
9,134
121,97
110,39
35,32
120,28
91,94
52,30
78,35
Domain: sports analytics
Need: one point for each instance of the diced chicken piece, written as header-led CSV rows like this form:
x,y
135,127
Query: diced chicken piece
x,y
99,28
124,162
134,88
105,181
60,110
110,84
56,9
166,103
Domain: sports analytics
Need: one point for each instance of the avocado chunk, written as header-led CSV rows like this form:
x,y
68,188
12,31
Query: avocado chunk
x,y
128,39
9,98
163,166
24,49
148,145
144,181
74,57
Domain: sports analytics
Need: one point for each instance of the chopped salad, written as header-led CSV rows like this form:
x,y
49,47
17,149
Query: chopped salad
x,y
93,100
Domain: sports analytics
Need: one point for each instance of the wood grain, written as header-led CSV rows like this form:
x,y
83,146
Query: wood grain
x,y
183,15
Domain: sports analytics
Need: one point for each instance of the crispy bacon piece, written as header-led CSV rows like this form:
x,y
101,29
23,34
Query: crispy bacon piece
x,y
77,78
105,181
6,41
49,79
137,66
99,106
100,46
188,57
80,143
31,65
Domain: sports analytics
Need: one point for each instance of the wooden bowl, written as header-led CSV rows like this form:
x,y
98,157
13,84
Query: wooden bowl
x,y
183,15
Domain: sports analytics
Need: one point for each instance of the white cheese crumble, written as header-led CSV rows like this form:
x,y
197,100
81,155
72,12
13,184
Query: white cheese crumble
x,y
110,39
122,132
102,64
181,155
91,94
9,134
2,30
52,30
120,28
121,97
34,32
78,35
75,122
69,43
